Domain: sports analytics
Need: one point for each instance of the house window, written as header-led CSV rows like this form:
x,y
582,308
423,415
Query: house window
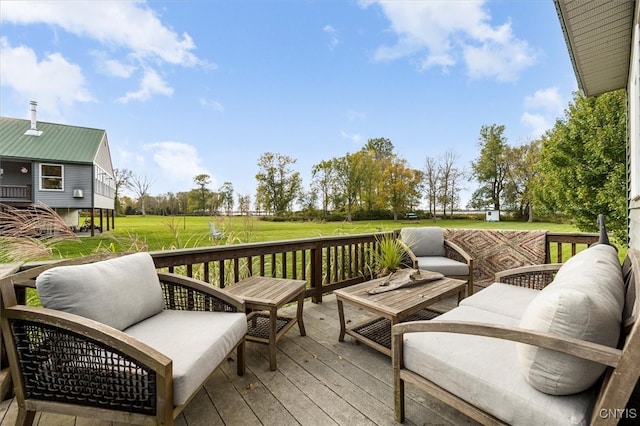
x,y
51,177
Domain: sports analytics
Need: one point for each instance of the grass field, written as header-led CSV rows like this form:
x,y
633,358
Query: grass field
x,y
134,233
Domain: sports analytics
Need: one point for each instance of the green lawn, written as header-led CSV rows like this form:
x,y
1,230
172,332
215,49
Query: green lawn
x,y
134,233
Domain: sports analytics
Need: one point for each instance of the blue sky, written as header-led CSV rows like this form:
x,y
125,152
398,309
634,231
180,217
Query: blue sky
x,y
190,87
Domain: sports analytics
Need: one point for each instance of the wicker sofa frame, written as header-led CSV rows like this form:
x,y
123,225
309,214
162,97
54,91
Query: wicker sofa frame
x,y
113,376
616,386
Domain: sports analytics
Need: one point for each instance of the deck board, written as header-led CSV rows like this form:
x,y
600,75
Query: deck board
x,y
319,381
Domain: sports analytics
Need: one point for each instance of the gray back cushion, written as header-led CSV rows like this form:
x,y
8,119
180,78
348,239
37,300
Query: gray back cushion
x,y
118,292
425,241
584,301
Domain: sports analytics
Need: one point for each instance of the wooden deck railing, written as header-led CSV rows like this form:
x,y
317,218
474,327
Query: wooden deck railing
x,y
326,263
562,246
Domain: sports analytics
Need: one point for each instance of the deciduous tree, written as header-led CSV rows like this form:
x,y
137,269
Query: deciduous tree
x,y
400,183
376,155
244,204
278,184
450,177
323,181
491,168
122,179
348,179
202,181
583,163
381,147
523,171
226,192
141,185
431,181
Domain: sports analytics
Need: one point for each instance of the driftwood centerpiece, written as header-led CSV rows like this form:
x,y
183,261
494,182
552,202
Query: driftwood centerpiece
x,y
404,278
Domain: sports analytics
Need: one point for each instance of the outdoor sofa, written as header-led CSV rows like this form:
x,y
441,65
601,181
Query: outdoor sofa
x,y
546,344
116,340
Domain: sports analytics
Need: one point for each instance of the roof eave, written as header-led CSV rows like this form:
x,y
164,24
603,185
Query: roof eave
x,y
567,39
595,77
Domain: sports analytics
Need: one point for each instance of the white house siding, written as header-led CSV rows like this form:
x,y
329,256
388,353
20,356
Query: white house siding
x,y
104,179
102,202
633,94
103,157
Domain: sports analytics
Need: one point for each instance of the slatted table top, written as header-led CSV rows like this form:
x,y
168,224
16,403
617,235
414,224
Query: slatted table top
x,y
267,291
399,302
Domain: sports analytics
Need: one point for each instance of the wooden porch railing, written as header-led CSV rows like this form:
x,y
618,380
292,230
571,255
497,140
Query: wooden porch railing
x,y
15,192
326,263
565,245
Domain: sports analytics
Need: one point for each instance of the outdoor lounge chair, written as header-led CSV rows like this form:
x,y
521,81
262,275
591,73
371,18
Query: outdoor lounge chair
x,y
428,250
214,232
119,341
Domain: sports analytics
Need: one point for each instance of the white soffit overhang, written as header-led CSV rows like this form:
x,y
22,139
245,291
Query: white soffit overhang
x,y
598,35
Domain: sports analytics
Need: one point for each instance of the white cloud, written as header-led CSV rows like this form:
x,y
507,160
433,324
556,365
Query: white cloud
x,y
112,67
215,105
443,33
123,24
542,110
131,31
546,99
129,159
52,81
355,137
151,84
333,36
504,62
118,69
177,162
538,123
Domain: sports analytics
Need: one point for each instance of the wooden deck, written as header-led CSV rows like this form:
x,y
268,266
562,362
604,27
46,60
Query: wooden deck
x,y
319,381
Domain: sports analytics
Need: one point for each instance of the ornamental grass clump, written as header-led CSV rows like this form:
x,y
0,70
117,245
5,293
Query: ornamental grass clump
x,y
387,256
29,234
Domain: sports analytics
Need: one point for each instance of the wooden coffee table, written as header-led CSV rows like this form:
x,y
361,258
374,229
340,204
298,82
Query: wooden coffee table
x,y
264,296
392,307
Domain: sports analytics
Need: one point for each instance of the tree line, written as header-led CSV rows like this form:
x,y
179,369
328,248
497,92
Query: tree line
x,y
577,169
371,180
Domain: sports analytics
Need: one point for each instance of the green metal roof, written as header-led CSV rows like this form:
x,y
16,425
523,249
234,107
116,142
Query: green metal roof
x,y
58,142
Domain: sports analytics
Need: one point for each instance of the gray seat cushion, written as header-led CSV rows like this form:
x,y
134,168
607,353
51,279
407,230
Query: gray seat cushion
x,y
515,298
425,241
443,265
484,372
118,292
196,342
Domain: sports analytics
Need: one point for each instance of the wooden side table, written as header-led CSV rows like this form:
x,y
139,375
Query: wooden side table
x,y
263,296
